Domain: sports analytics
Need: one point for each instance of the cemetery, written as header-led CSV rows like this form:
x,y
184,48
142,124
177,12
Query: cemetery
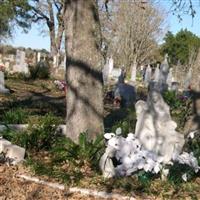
x,y
118,119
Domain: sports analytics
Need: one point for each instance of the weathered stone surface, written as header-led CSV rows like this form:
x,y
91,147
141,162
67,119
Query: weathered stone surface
x,y
15,153
3,143
155,129
125,92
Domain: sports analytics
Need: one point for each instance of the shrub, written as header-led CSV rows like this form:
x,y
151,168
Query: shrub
x,y
15,116
176,172
40,71
42,134
85,151
180,107
39,136
126,120
18,75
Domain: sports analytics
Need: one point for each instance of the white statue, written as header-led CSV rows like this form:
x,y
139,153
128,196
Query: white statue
x,y
155,129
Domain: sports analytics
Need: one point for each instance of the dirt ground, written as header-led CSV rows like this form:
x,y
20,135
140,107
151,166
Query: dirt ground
x,y
13,188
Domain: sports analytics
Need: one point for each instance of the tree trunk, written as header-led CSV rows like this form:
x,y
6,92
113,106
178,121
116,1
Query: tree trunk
x,y
84,97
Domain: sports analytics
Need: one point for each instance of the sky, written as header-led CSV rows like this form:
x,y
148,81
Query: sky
x,y
36,40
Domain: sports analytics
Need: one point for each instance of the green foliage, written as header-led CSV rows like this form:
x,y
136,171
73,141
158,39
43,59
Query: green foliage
x,y
85,151
39,136
12,11
127,124
180,107
193,145
15,116
18,76
40,71
145,178
171,99
177,170
180,46
42,134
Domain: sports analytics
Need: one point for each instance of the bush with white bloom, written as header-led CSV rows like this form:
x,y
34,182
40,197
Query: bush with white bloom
x,y
133,157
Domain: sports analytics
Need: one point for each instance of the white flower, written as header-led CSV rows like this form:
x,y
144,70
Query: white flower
x,y
118,131
157,168
191,134
184,177
165,172
108,136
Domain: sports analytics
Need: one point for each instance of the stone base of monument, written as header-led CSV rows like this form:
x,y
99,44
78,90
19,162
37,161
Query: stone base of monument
x,y
4,90
175,86
13,153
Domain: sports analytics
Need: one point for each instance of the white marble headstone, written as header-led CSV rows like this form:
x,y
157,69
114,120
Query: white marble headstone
x,y
21,65
164,70
169,78
133,73
147,77
110,65
157,73
38,56
2,87
188,79
1,78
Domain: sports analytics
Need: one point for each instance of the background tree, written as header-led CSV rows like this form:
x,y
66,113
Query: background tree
x,y
13,13
51,14
133,31
180,46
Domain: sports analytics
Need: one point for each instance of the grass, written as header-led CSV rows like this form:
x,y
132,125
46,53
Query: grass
x,y
59,159
36,98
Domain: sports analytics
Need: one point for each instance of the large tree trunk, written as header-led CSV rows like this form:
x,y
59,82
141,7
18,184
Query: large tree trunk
x,y
83,69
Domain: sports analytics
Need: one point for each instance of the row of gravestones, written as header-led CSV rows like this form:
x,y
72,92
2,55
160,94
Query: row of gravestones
x,y
162,79
22,66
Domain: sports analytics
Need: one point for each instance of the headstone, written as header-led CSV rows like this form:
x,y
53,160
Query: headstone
x,y
55,61
110,65
147,77
63,63
121,78
155,129
21,65
126,93
3,143
115,73
133,73
157,73
175,86
164,70
105,73
2,87
188,80
14,153
169,78
7,66
38,57
160,78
